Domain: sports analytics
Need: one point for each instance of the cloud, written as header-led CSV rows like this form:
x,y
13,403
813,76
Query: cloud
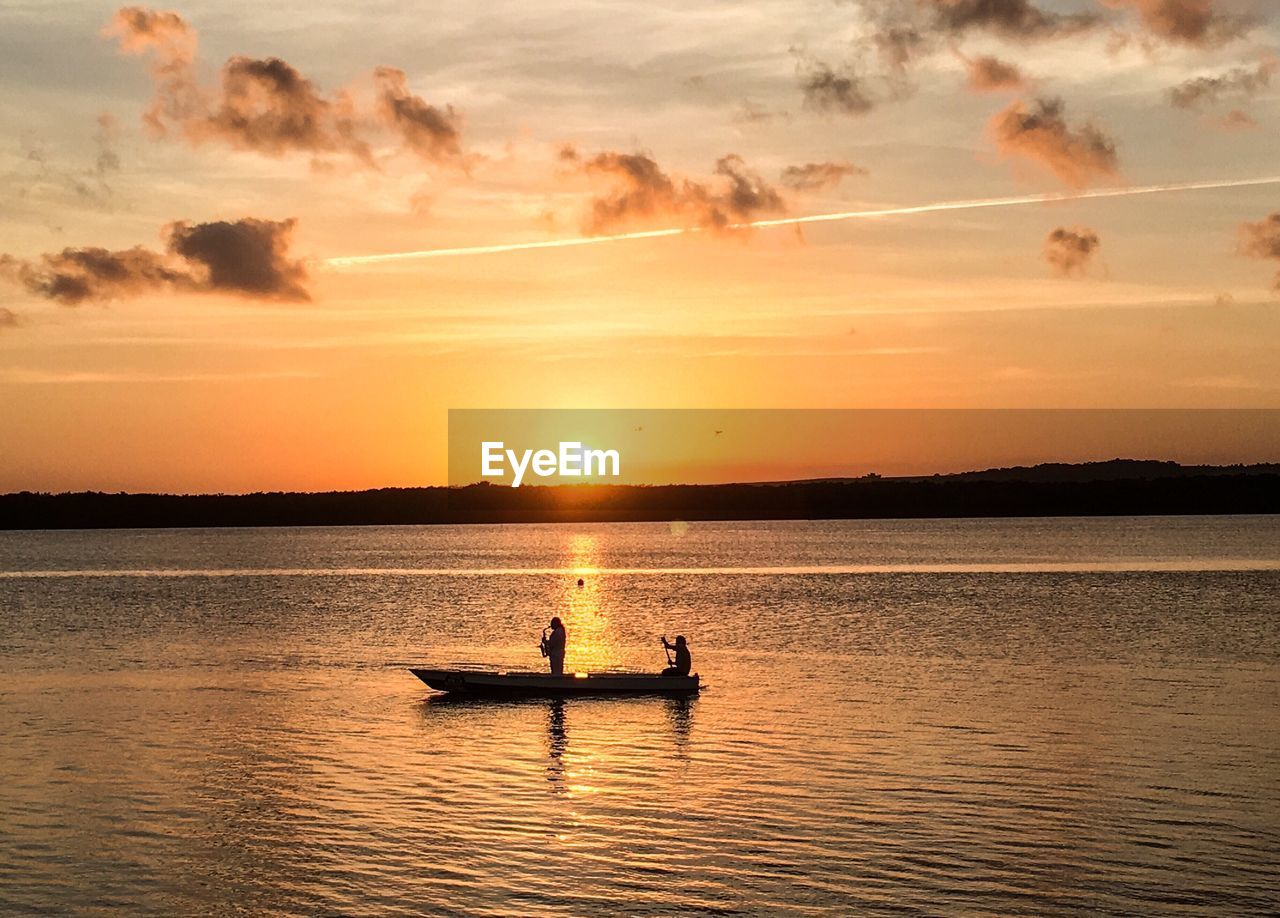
x,y
1262,240
1068,251
107,160
826,90
172,45
1190,22
1077,155
901,34
1011,19
749,112
90,185
990,74
430,132
73,276
248,258
643,191
140,29
748,194
814,176
1236,120
899,42
8,318
266,106
1245,81
898,47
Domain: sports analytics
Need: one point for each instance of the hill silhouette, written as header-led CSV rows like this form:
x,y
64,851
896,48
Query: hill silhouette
x,y
1119,487
1112,470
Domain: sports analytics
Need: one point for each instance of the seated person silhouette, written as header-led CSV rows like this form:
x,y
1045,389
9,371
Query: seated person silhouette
x,y
683,661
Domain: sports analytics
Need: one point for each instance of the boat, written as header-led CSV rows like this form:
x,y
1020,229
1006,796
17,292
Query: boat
x,y
545,685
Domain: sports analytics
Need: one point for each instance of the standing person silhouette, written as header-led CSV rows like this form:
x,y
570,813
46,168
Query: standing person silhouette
x,y
553,645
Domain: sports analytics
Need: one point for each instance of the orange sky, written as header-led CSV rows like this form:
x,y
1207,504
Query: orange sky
x,y
200,384
726,445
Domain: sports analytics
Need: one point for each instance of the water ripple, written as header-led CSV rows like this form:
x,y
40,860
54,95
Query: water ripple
x,y
906,742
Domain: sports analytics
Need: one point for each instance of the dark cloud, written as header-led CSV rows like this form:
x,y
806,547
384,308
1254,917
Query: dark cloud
x,y
903,33
73,276
1190,22
1011,19
748,195
1068,250
267,106
990,74
1238,81
643,191
1262,240
1077,155
430,132
826,90
247,258
813,176
8,318
879,66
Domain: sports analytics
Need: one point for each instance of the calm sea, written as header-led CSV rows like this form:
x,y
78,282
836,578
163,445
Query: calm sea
x,y
924,717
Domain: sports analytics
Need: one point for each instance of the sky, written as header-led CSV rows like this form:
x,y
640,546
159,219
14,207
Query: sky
x,y
183,191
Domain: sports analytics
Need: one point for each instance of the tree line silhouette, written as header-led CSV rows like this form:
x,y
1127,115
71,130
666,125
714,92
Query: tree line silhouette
x,y
1122,488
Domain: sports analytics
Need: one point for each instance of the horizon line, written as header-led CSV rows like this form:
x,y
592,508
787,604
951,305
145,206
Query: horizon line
x,y
770,482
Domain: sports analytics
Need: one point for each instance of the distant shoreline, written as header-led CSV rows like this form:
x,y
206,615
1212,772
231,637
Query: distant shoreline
x,y
1114,488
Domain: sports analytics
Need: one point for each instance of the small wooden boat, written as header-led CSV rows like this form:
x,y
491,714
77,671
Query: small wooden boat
x,y
517,684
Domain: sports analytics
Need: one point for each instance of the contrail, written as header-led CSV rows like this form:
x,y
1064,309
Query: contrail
x,y
1048,198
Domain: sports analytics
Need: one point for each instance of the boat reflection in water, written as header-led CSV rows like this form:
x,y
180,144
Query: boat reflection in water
x,y
610,735
680,717
557,743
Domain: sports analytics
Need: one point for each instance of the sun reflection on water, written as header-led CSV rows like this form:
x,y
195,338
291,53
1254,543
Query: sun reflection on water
x,y
593,645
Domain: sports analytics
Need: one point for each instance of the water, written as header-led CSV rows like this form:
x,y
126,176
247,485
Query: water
x,y
1018,716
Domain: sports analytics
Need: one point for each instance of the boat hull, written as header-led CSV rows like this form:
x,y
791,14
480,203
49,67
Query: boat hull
x,y
545,685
